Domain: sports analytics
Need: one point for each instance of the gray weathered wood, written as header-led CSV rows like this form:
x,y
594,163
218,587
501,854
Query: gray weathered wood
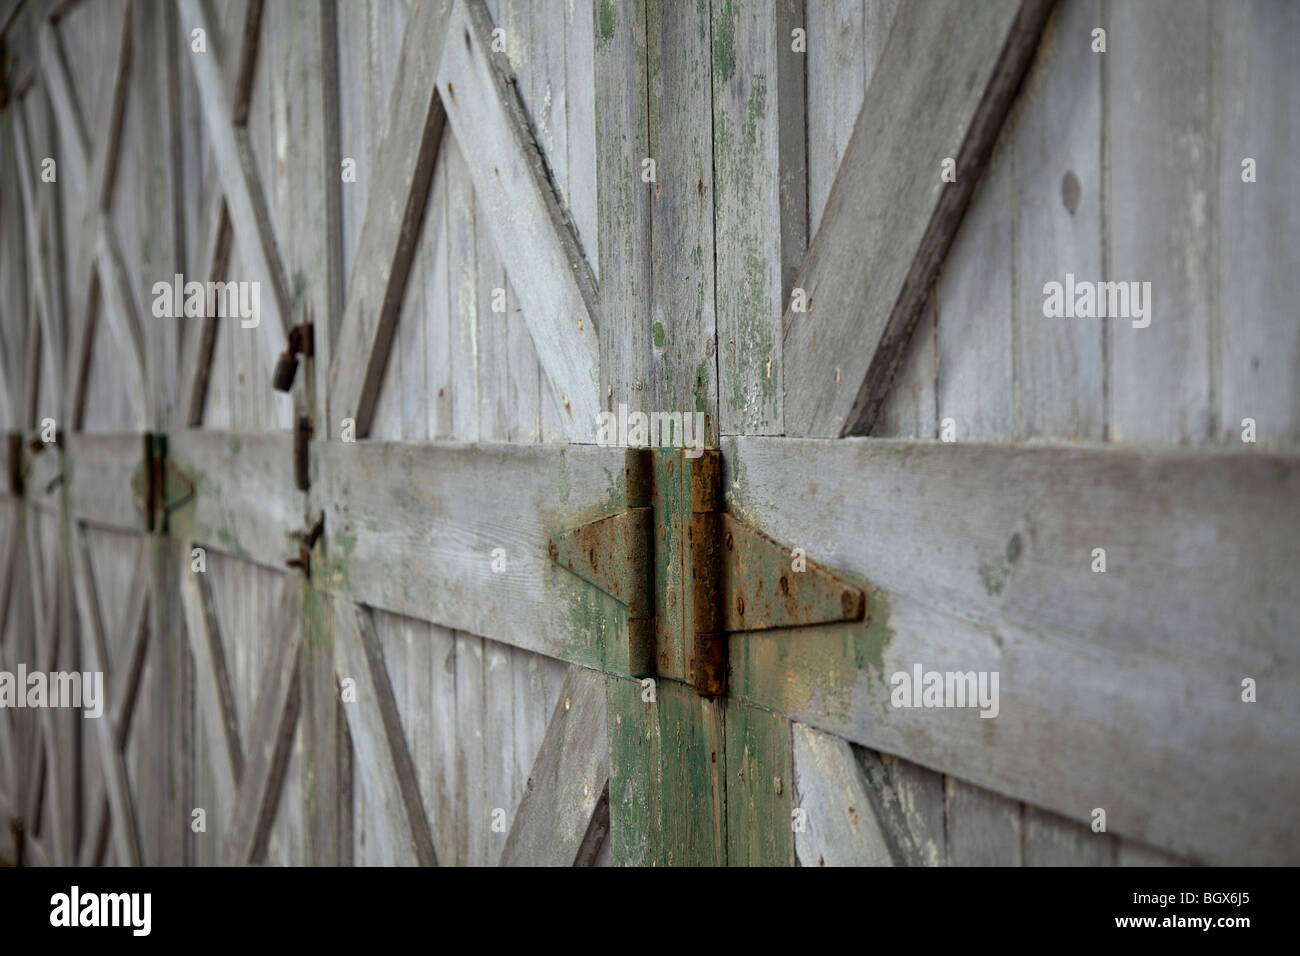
x,y
394,211
270,734
126,838
378,742
532,231
245,199
212,687
890,207
839,827
1258,75
760,203
432,557
979,557
566,782
984,828
1160,155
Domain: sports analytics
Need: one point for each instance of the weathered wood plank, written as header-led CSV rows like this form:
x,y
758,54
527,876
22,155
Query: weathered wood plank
x,y
985,565
667,775
760,787
622,200
533,234
387,772
837,825
1160,155
567,779
984,828
245,501
270,734
759,204
99,467
683,370
125,834
1256,102
394,211
212,689
841,355
245,199
471,759
401,539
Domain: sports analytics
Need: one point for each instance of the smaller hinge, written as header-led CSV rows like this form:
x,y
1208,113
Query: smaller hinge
x,y
158,485
14,452
302,341
306,541
302,432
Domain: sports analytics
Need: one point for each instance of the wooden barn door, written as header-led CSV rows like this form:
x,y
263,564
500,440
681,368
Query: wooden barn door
x,y
346,622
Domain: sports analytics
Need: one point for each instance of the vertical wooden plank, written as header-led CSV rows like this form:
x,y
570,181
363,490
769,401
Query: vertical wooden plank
x,y
1259,75
462,289
1057,173
1161,155
1052,840
326,799
491,354
910,409
984,828
760,202
436,757
845,38
976,348
471,718
760,787
836,825
683,326
667,776
431,276
623,201
580,114
502,788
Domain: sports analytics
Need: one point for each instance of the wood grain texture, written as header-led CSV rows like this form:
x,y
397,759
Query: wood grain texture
x,y
556,289
760,215
837,825
401,539
244,189
1256,222
565,784
125,834
622,203
270,734
760,787
667,776
842,354
1161,153
394,208
1006,586
380,748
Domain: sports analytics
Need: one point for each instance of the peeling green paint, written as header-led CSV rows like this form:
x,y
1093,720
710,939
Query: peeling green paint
x,y
606,22
994,575
724,43
658,332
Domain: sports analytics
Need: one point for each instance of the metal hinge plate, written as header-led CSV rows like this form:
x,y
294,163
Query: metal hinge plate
x,y
158,485
690,573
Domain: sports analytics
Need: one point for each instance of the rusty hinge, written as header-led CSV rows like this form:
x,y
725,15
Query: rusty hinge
x,y
690,573
306,541
302,341
158,485
301,436
14,455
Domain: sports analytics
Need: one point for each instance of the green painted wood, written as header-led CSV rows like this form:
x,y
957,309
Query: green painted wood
x,y
760,787
667,788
